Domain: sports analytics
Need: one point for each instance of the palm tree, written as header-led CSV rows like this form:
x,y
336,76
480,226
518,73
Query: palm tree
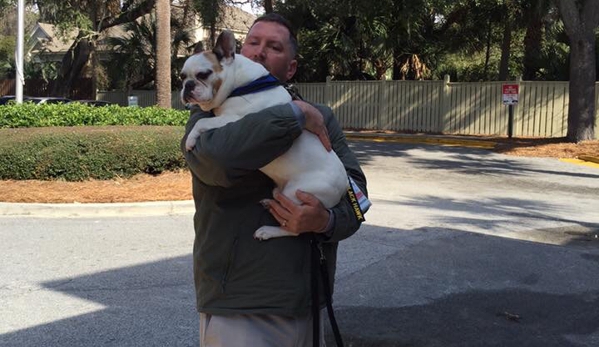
x,y
163,53
135,54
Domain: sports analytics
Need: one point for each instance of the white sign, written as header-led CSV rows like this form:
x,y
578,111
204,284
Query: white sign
x,y
510,94
132,100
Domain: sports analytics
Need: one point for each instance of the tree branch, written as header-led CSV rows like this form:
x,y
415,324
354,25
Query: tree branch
x,y
128,16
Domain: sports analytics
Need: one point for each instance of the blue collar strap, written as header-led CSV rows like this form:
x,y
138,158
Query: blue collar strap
x,y
262,83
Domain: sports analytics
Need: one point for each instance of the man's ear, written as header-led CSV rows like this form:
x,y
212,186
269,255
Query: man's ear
x,y
291,69
225,47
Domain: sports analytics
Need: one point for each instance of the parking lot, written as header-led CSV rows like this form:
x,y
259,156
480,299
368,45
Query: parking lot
x,y
462,247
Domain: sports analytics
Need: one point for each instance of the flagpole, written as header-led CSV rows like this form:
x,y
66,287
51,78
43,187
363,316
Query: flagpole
x,y
19,78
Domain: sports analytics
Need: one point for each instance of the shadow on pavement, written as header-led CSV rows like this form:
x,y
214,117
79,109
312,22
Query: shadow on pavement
x,y
151,304
476,318
451,288
456,159
364,150
464,161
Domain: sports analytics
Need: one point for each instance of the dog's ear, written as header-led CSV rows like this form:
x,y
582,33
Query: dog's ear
x,y
225,47
198,48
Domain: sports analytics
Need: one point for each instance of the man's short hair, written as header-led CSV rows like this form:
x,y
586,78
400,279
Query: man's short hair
x,y
277,18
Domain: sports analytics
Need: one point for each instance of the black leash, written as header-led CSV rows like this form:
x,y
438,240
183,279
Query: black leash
x,y
319,264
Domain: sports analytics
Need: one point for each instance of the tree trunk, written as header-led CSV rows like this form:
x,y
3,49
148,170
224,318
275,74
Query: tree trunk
x,y
212,38
581,19
533,41
488,51
396,73
163,54
581,110
506,44
73,63
94,58
268,6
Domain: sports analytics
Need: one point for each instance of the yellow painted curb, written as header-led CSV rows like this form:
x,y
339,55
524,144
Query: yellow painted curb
x,y
428,140
580,162
589,158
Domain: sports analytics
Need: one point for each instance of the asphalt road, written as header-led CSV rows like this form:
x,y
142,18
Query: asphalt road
x,y
462,247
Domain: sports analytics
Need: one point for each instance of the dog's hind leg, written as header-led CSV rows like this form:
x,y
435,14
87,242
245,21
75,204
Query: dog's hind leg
x,y
269,232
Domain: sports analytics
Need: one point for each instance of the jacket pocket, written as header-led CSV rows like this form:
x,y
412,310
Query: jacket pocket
x,y
229,265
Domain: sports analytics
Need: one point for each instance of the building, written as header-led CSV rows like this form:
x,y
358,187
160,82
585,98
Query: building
x,y
45,44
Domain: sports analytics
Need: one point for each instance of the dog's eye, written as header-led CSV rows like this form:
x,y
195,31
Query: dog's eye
x,y
182,77
203,75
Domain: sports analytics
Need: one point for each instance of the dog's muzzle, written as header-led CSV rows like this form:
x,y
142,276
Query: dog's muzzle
x,y
187,90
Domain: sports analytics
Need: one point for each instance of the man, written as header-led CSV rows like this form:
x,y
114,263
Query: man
x,y
252,293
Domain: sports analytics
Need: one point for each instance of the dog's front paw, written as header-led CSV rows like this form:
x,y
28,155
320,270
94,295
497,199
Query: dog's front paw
x,y
190,143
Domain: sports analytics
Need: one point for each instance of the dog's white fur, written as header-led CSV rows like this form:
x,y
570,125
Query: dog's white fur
x,y
306,166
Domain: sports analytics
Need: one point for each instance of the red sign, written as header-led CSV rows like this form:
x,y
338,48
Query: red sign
x,y
510,93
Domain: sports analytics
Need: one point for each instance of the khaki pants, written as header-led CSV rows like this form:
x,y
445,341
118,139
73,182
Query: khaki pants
x,y
257,330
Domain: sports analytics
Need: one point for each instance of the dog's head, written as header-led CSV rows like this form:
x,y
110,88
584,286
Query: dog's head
x,y
204,74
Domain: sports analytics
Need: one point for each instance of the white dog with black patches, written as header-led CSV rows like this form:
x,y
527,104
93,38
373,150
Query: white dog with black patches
x,y
209,78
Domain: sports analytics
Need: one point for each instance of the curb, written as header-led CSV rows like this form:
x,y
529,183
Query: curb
x,y
589,158
440,140
96,210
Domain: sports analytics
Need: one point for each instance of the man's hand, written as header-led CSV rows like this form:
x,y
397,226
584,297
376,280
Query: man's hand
x,y
309,216
315,123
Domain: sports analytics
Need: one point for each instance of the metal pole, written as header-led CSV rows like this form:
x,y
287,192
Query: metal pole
x,y
20,80
510,121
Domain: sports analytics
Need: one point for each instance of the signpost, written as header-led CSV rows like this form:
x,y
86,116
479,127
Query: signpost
x,y
510,97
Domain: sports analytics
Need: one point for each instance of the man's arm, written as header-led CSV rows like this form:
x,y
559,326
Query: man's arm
x,y
335,224
222,156
345,221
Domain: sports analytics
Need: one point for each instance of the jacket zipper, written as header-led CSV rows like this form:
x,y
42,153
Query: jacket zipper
x,y
223,282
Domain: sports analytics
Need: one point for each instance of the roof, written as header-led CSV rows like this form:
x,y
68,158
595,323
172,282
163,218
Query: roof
x,y
236,19
48,39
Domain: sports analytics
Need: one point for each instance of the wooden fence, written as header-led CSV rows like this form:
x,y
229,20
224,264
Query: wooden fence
x,y
429,106
145,98
82,88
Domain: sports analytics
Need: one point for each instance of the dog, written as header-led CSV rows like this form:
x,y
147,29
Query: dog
x,y
209,78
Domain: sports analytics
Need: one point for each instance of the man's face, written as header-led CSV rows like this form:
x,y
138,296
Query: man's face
x,y
268,43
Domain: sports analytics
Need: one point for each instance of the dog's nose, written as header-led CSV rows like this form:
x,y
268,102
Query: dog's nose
x,y
190,85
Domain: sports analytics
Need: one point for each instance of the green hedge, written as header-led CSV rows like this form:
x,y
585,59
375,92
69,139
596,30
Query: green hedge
x,y
80,153
62,115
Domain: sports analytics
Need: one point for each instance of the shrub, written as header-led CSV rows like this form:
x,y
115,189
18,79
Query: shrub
x,y
74,114
80,153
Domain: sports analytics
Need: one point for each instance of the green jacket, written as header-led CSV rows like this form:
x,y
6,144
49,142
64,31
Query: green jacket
x,y
233,272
